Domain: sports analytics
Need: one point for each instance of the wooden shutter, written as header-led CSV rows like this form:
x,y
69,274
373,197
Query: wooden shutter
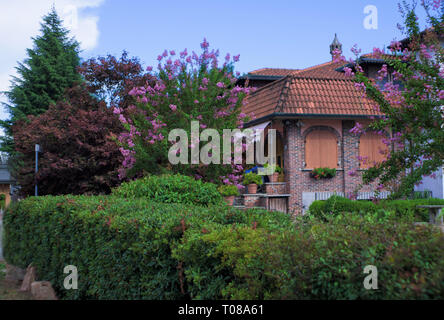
x,y
321,150
370,146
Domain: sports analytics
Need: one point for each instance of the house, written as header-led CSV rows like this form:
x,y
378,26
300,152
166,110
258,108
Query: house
x,y
6,181
313,111
435,183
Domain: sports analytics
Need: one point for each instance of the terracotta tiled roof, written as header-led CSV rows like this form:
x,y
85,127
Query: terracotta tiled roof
x,y
302,95
276,72
324,71
264,100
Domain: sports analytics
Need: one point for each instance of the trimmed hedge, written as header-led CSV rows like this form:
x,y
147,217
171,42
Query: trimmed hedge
x,y
138,249
317,261
121,247
171,189
407,209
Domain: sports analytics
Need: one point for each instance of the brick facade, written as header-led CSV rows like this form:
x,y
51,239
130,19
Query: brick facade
x,y
298,178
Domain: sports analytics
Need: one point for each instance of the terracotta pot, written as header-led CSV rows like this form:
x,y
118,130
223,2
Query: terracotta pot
x,y
252,188
274,177
229,200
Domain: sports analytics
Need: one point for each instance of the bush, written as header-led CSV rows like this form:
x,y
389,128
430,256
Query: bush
x,y
252,178
228,190
315,261
138,249
323,173
171,189
276,168
121,247
2,200
336,205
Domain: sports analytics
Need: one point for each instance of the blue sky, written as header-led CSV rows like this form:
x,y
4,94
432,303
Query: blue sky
x,y
279,33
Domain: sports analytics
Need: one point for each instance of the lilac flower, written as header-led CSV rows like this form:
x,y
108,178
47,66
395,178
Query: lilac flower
x,y
348,72
204,44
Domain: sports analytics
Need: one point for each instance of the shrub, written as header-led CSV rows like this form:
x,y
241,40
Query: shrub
x,y
228,190
138,249
336,205
121,247
315,261
323,173
171,189
2,200
276,168
252,178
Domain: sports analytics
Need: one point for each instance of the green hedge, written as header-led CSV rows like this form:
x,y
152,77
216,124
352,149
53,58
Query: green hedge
x,y
122,248
171,189
138,249
336,205
318,260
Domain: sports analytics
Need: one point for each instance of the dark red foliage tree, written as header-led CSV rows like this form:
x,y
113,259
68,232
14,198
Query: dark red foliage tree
x,y
111,79
79,154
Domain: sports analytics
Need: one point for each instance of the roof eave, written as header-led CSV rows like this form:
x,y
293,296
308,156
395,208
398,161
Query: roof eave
x,y
291,116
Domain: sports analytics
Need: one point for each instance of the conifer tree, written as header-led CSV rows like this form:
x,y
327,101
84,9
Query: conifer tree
x,y
43,77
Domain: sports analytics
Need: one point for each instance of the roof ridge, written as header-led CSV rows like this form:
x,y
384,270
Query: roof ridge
x,y
283,95
273,83
268,68
296,76
316,66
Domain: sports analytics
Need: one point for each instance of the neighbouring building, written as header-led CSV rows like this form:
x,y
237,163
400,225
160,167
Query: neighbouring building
x,y
6,181
313,111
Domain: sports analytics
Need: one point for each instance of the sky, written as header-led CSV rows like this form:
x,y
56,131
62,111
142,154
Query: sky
x,y
279,33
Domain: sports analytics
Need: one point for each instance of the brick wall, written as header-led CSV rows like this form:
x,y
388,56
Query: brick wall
x,y
298,178
276,188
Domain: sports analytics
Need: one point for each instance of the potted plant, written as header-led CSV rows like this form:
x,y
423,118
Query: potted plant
x,y
274,176
252,180
322,173
228,191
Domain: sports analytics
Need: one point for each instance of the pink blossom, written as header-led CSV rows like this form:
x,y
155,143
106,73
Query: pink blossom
x,y
356,51
204,44
173,107
348,72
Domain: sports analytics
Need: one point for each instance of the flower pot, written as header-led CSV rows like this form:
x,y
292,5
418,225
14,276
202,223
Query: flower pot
x,y
274,177
229,200
252,188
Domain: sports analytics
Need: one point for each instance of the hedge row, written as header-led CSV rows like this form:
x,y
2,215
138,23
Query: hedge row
x,y
122,248
171,189
137,249
407,209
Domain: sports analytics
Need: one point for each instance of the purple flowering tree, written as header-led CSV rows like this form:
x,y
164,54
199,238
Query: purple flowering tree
x,y
189,87
412,103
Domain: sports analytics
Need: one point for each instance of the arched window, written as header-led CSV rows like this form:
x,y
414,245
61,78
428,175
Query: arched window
x,y
321,149
371,149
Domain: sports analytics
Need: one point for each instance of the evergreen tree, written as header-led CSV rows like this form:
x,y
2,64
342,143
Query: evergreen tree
x,y
43,77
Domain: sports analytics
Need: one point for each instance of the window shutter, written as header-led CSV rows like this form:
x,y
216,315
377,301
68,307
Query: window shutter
x,y
321,149
369,147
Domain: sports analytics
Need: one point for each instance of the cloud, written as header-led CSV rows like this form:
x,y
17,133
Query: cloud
x,y
20,20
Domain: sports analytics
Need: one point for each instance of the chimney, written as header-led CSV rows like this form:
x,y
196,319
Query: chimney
x,y
336,45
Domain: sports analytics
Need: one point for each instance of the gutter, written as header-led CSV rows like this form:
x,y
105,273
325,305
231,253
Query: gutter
x,y
296,116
